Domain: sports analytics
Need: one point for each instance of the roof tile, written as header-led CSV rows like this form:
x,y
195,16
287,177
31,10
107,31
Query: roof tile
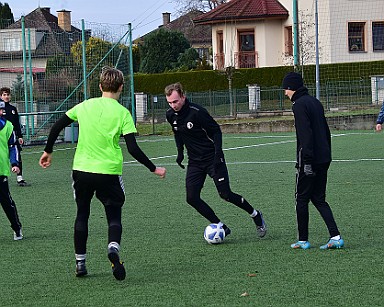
x,y
243,10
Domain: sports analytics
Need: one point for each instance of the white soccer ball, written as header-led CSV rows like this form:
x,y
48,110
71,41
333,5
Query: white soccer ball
x,y
214,234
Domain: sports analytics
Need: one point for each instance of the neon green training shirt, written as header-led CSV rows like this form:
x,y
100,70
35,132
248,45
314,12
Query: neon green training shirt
x,y
101,123
5,134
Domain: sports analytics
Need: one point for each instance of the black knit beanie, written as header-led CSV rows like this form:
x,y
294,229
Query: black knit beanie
x,y
292,81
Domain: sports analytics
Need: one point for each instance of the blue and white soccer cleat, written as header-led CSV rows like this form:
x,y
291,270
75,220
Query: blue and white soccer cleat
x,y
333,244
301,244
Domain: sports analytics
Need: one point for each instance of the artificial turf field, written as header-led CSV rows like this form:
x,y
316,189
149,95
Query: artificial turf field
x,y
168,262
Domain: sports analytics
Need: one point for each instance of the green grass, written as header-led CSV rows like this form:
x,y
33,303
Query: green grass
x,y
167,260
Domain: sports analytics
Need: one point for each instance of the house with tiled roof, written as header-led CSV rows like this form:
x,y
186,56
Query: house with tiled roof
x,y
45,36
260,33
242,32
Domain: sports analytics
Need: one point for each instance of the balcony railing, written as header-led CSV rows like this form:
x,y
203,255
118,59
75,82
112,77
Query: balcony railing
x,y
246,59
243,59
219,61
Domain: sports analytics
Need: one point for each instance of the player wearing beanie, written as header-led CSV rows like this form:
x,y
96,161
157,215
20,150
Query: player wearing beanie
x,y
313,157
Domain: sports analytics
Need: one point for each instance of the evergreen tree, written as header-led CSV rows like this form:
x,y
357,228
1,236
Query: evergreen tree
x,y
161,50
6,16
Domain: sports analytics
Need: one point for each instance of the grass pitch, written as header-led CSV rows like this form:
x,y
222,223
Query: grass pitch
x,y
168,262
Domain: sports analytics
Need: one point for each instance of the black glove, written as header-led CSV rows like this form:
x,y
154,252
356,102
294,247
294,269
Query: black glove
x,y
308,170
218,159
180,158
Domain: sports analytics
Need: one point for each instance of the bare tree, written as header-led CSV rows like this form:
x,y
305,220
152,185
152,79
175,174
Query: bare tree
x,y
307,42
201,5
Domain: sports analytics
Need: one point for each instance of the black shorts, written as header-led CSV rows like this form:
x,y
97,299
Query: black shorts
x,y
109,189
198,171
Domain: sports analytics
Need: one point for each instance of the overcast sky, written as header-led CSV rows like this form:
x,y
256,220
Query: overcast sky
x,y
144,15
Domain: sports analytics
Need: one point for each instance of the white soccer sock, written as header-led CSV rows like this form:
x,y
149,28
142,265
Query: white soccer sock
x,y
254,213
19,178
220,224
80,257
114,245
337,238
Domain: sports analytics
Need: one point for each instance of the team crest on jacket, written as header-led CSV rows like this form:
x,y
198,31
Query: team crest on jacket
x,y
189,125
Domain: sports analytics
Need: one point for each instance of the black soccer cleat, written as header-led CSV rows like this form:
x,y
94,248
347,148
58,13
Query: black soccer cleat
x,y
118,269
227,231
23,183
81,269
261,227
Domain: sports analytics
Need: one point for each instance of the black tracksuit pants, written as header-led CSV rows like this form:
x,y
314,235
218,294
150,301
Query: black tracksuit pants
x,y
8,204
195,178
313,189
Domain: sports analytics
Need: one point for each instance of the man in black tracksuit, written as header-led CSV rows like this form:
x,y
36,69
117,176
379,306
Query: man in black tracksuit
x,y
313,159
12,115
194,128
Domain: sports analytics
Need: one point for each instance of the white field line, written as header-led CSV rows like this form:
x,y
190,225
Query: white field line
x,y
133,162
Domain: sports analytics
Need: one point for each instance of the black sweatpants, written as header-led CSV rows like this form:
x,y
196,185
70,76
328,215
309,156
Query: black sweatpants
x,y
109,190
8,204
313,189
195,178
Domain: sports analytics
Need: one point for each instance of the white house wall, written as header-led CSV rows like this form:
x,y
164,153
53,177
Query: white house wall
x,y
364,11
270,48
333,18
8,78
267,41
31,38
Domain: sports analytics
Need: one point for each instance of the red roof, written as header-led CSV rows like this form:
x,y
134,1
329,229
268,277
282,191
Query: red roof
x,y
244,10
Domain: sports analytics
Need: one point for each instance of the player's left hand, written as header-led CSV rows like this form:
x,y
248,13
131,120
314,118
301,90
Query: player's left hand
x,y
308,171
180,158
218,159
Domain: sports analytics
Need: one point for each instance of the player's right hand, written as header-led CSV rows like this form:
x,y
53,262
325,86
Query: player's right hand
x,y
45,160
160,171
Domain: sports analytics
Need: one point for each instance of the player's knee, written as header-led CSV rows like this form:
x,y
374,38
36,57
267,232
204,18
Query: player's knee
x,y
192,200
225,195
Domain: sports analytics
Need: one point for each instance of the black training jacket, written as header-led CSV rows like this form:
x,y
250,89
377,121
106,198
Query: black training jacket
x,y
12,115
312,131
195,128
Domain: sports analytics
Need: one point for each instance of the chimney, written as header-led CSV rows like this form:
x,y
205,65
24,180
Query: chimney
x,y
64,20
166,18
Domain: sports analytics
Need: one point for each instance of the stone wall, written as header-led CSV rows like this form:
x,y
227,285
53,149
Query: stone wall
x,y
350,122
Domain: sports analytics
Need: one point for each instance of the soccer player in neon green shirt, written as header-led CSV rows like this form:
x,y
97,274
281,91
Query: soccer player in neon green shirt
x,y
98,163
8,162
